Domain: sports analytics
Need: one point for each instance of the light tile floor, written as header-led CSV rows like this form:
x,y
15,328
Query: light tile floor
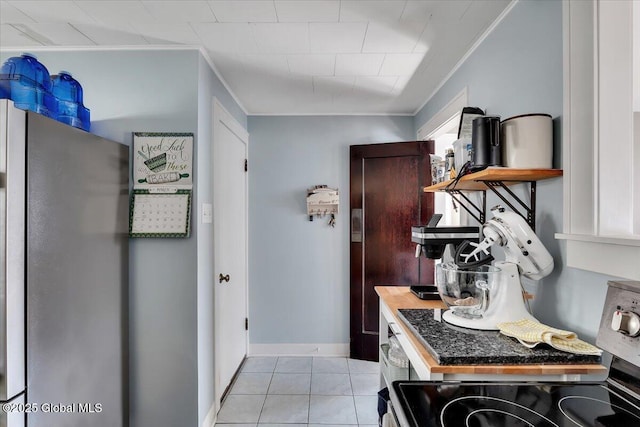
x,y
301,392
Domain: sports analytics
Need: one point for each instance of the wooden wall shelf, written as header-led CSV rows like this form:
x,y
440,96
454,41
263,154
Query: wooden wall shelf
x,y
498,180
477,181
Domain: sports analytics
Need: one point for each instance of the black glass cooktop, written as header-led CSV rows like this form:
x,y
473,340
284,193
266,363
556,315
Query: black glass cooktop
x,y
431,404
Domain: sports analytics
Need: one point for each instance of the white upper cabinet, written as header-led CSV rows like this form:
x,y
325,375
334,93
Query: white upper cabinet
x,y
601,136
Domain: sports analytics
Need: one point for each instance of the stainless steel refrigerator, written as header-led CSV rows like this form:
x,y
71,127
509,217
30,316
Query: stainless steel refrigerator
x,y
64,207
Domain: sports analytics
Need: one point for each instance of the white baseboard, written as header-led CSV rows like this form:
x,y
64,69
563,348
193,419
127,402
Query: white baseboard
x,y
210,419
320,350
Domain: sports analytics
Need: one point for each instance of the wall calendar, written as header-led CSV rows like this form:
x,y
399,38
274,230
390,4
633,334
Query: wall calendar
x,y
160,214
162,184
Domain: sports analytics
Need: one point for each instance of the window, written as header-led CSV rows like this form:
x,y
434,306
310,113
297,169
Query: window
x,y
443,129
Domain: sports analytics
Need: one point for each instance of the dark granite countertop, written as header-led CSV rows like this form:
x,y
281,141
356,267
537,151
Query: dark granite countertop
x,y
452,345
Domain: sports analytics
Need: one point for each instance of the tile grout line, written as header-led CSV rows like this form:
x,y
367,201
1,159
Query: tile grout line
x,y
309,396
353,397
264,402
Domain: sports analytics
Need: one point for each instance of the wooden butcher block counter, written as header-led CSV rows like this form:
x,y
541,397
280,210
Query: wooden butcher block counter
x,y
400,311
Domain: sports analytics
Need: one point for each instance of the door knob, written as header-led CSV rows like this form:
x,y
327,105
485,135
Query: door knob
x,y
223,278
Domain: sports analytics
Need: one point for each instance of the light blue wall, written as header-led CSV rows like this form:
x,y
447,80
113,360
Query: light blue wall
x,y
299,270
158,91
517,70
206,326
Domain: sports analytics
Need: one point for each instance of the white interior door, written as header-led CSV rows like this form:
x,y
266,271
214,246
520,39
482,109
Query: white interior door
x,y
230,236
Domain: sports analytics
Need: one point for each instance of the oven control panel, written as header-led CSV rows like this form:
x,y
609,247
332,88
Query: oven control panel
x,y
619,331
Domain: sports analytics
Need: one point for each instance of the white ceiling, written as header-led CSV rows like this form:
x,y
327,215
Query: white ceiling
x,y
280,56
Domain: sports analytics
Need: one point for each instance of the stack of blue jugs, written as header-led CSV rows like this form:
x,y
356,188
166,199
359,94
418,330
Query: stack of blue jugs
x,y
68,93
26,81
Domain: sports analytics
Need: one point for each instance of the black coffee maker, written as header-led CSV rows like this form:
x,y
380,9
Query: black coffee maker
x,y
485,142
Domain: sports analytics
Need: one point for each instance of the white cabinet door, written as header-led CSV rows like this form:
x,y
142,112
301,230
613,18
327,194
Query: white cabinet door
x,y
601,155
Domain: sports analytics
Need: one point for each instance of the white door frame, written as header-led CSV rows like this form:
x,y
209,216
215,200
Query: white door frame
x,y
221,117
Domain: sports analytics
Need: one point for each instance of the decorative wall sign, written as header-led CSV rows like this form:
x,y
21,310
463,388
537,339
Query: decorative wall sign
x,y
162,160
162,181
159,214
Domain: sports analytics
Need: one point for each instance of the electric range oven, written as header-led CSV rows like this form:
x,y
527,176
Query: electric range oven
x,y
614,402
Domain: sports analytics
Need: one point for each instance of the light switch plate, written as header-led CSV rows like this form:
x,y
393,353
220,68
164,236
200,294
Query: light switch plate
x,y
207,213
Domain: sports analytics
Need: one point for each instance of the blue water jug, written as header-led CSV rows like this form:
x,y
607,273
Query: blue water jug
x,y
26,81
68,94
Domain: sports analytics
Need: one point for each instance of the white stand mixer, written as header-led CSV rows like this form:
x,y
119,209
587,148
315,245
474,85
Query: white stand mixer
x,y
524,255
